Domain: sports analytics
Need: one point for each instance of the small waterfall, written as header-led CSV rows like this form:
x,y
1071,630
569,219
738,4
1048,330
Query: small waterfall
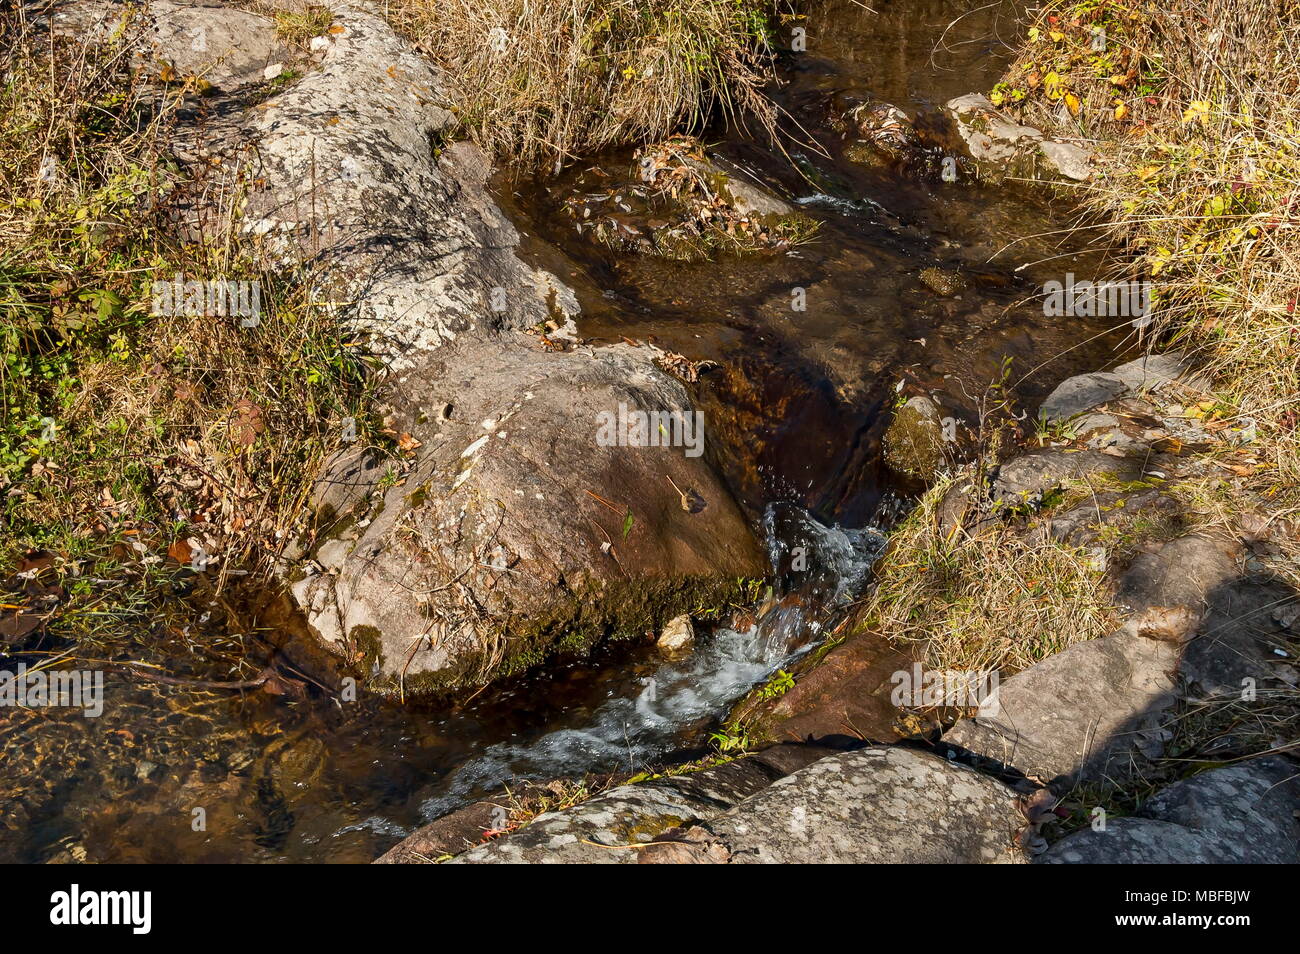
x,y
818,567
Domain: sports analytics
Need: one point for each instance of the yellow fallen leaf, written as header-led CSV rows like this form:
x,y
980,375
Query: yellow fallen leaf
x,y
1072,104
1121,111
1198,111
1053,86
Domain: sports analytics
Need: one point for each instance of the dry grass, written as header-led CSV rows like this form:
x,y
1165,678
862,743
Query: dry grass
x,y
120,423
990,602
1195,108
299,24
540,83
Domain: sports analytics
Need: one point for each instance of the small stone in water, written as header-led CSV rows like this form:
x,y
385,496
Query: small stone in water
x,y
678,635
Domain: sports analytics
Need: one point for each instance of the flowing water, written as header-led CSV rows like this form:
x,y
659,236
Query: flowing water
x,y
795,413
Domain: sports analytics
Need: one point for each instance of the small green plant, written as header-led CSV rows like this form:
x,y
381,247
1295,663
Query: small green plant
x,y
777,686
731,739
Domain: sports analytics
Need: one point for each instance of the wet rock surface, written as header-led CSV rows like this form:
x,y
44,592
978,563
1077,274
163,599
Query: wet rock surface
x,y
914,443
848,694
1002,147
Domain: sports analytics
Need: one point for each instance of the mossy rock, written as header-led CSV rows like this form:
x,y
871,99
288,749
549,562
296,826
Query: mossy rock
x,y
914,443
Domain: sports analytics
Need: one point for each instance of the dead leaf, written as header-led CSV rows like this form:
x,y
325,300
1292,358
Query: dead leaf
x,y
247,422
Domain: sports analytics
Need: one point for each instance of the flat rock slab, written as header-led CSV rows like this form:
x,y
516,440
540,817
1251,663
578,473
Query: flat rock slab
x,y
1082,393
1083,714
1026,478
1184,572
875,806
1155,370
1242,814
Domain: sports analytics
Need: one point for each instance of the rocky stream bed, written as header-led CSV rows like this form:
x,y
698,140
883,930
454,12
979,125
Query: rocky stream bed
x,y
830,310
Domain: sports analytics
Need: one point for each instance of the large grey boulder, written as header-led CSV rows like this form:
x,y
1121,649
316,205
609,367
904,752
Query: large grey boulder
x,y
1241,814
881,805
511,527
515,529
1085,714
876,806
614,826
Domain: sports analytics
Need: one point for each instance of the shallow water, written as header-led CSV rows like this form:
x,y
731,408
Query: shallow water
x,y
795,415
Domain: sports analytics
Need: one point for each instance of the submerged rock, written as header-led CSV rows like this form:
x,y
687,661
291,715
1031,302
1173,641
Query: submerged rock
x,y
882,135
680,203
1001,146
942,281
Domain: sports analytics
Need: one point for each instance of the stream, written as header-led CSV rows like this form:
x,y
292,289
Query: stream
x,y
796,410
